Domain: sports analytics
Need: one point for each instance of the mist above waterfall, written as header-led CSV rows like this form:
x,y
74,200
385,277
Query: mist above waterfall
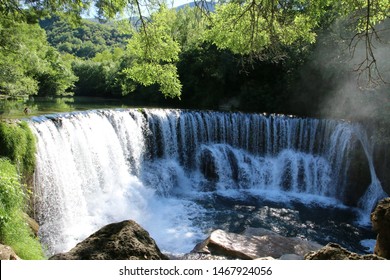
x,y
332,84
360,83
357,73
181,174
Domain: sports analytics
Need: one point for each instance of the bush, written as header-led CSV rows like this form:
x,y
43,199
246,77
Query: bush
x,y
17,142
14,231
11,197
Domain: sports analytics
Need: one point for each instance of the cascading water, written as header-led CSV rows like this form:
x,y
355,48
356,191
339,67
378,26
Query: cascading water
x,y
374,191
180,173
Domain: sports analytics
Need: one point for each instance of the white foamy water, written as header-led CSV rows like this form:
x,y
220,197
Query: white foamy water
x,y
99,167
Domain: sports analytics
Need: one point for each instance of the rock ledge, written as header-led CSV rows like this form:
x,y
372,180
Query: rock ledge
x,y
6,253
333,251
125,240
254,243
380,219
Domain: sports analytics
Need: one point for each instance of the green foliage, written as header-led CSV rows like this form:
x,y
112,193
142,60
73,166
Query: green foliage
x,y
92,78
216,79
253,26
102,48
28,65
17,142
189,28
85,40
365,13
18,58
252,29
154,52
243,26
101,76
58,78
32,11
13,229
227,32
11,196
110,9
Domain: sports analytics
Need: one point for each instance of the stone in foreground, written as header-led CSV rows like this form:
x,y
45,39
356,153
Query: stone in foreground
x,y
253,244
6,253
334,251
125,240
380,219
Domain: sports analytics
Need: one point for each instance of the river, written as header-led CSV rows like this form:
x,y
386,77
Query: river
x,y
182,174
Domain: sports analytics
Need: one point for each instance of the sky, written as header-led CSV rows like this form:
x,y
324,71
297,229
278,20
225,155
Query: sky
x,y
173,3
180,2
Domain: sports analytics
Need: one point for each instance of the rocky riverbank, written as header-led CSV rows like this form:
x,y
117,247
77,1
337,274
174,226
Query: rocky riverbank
x,y
127,240
254,243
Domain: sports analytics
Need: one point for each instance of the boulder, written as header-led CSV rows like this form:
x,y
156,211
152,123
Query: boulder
x,y
200,256
34,226
380,219
359,176
208,166
265,259
334,251
382,165
253,244
6,253
291,257
125,240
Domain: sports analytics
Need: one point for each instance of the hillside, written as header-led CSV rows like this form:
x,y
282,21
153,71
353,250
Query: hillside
x,y
85,41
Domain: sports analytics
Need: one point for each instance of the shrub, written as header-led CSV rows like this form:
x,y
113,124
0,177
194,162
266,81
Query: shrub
x,y
14,231
17,142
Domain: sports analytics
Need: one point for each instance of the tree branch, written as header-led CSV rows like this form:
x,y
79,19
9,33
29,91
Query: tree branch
x,y
368,67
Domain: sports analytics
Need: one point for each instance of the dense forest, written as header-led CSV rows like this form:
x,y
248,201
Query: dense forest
x,y
323,59
293,57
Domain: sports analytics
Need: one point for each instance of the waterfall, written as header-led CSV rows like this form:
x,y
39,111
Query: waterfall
x,y
151,165
374,191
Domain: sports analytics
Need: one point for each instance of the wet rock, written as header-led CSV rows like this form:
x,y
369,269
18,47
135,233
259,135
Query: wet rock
x,y
334,251
118,241
380,218
201,256
253,244
359,176
382,165
265,259
31,223
208,166
6,253
291,257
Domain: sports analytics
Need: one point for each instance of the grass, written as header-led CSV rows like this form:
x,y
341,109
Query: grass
x,y
14,231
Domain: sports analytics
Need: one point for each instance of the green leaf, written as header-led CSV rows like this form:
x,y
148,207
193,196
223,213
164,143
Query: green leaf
x,y
155,52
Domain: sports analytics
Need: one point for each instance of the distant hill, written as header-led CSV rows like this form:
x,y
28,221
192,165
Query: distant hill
x,y
208,5
84,41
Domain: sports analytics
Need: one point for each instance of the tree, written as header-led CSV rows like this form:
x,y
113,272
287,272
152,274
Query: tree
x,y
265,28
28,65
154,52
85,40
258,28
189,27
366,19
255,26
101,75
57,78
